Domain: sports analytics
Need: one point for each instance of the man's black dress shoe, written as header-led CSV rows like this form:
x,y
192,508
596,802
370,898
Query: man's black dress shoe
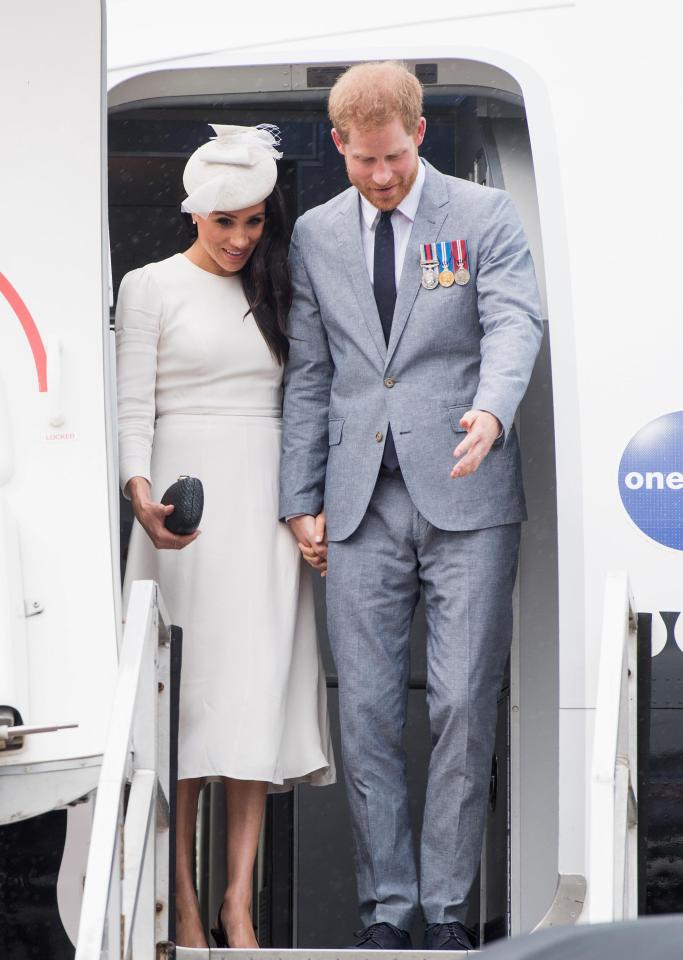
x,y
450,936
382,936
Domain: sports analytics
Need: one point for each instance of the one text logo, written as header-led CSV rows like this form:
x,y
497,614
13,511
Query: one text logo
x,y
651,480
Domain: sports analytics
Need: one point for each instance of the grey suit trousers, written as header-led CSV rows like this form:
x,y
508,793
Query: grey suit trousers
x,y
374,581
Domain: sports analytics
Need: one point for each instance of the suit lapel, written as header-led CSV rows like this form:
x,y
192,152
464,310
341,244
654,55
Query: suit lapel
x,y
431,214
351,246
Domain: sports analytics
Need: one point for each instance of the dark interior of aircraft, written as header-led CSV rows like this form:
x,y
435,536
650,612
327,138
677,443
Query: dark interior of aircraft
x,y
304,863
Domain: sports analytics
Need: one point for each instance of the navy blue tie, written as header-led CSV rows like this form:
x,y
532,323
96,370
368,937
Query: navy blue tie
x,y
384,282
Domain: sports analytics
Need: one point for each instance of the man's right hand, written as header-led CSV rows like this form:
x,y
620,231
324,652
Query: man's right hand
x,y
312,539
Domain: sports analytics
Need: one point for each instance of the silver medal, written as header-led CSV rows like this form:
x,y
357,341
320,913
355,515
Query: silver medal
x,y
430,274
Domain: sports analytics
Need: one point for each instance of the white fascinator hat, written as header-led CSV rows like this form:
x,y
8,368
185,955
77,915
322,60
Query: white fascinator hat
x,y
234,170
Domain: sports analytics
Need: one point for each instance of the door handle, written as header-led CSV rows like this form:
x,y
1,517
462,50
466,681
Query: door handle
x,y
54,381
493,784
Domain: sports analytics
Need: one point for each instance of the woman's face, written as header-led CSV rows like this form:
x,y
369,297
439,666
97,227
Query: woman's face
x,y
227,240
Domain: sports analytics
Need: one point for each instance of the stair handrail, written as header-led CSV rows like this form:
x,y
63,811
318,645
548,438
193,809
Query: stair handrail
x,y
124,912
613,805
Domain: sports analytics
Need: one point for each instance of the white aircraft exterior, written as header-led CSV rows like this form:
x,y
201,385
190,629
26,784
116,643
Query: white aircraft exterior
x,y
597,192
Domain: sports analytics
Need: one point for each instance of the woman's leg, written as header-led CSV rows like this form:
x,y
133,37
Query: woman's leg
x,y
189,931
246,801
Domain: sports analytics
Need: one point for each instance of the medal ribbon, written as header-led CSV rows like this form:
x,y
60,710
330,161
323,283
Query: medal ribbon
x,y
444,255
427,253
459,248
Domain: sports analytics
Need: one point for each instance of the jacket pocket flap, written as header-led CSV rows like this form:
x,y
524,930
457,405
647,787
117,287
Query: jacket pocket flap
x,y
336,427
455,413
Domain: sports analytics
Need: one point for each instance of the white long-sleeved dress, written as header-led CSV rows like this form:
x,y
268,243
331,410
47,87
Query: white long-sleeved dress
x,y
199,393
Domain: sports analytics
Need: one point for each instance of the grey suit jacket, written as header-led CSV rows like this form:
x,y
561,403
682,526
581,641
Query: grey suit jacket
x,y
450,349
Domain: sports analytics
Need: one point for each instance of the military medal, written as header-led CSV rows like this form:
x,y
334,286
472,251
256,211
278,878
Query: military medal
x,y
446,275
430,266
462,273
430,275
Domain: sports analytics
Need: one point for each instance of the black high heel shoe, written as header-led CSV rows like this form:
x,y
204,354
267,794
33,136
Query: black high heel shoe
x,y
218,932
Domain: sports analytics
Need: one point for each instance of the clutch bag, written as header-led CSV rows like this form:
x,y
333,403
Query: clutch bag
x,y
187,497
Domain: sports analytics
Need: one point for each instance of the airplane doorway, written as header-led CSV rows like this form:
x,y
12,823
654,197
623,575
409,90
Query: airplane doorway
x,y
304,885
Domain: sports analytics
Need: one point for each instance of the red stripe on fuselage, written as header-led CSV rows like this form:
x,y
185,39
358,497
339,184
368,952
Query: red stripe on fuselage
x,y
30,329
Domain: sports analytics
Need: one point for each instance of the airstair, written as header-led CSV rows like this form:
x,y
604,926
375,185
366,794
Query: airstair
x,y
128,889
127,901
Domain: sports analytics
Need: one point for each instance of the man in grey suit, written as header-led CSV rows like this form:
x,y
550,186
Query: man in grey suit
x,y
414,329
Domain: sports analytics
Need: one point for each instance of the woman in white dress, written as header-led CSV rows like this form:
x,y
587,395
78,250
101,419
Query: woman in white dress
x,y
200,353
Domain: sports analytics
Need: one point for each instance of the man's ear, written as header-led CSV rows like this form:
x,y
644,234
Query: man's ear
x,y
421,129
338,142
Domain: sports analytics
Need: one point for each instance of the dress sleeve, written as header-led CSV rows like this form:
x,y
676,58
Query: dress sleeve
x,y
138,322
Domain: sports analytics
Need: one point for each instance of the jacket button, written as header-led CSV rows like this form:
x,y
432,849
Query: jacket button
x,y
379,436
389,382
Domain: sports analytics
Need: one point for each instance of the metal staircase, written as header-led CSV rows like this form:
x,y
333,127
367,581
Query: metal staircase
x,y
125,910
129,888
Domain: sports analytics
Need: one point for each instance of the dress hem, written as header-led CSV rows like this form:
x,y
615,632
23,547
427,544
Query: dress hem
x,y
322,776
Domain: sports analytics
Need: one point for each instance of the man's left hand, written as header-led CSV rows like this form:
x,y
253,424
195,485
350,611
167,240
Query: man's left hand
x,y
482,430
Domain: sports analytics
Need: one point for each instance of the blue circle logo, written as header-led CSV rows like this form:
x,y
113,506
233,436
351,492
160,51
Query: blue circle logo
x,y
651,480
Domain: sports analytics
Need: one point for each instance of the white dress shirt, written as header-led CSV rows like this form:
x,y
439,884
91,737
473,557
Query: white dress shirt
x,y
401,220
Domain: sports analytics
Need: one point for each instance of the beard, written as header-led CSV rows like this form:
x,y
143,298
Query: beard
x,y
403,187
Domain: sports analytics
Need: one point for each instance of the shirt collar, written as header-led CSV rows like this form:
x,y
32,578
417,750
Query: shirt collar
x,y
408,206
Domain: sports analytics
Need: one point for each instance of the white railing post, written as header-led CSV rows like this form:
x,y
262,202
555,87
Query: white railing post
x,y
124,913
613,864
163,755
632,799
139,923
136,875
113,916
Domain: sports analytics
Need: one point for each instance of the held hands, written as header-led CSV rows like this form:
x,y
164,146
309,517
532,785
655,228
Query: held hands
x,y
312,540
482,429
151,516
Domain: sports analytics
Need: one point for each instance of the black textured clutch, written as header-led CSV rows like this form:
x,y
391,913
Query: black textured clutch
x,y
187,496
